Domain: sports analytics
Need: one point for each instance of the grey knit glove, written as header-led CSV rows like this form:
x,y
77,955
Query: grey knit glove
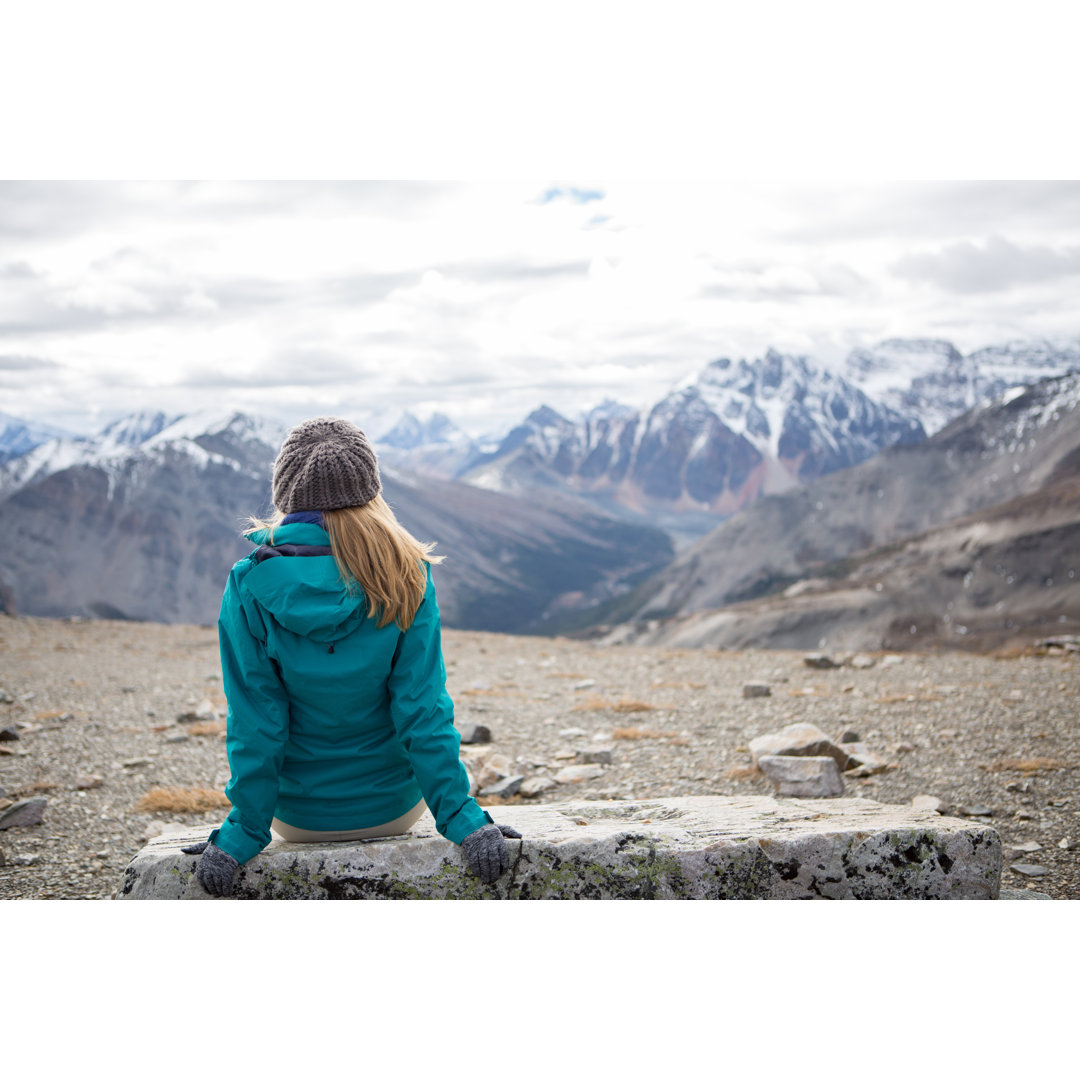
x,y
486,851
216,868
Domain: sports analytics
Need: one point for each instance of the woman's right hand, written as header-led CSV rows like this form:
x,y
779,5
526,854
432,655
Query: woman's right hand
x,y
487,853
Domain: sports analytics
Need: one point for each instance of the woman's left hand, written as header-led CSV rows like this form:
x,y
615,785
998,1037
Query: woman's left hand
x,y
486,851
216,868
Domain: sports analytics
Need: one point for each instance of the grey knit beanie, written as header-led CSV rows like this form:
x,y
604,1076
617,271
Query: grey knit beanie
x,y
325,464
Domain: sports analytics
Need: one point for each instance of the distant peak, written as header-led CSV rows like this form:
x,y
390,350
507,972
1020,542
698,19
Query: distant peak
x,y
546,416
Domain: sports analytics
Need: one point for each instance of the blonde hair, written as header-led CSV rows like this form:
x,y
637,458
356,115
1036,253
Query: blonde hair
x,y
375,553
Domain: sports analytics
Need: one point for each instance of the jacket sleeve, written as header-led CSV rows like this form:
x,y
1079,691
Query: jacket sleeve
x,y
423,716
257,726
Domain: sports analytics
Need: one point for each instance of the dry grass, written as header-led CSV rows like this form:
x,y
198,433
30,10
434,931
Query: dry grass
x,y
181,801
208,727
645,733
743,772
1026,765
623,705
896,699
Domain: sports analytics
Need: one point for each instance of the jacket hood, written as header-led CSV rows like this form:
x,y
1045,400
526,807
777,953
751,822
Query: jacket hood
x,y
304,593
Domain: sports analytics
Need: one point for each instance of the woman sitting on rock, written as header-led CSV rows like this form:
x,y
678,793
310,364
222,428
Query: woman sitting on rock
x,y
339,725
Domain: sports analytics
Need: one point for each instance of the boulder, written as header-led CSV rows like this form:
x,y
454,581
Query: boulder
x,y
750,847
802,777
504,788
798,740
537,785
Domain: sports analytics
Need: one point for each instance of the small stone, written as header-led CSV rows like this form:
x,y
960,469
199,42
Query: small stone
x,y
475,733
596,757
104,854
134,763
892,658
756,689
802,777
504,788
206,710
24,813
848,735
801,740
86,781
1027,846
584,684
906,748
576,774
565,755
930,802
5,697
9,734
948,733
25,860
976,810
1026,815
127,689
573,732
2,858
537,785
5,803
1066,843
862,661
179,738
821,661
1029,869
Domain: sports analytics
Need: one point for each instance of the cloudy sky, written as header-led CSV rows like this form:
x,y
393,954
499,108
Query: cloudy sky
x,y
483,300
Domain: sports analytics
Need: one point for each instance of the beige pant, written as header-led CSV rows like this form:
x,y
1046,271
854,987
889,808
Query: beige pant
x,y
309,836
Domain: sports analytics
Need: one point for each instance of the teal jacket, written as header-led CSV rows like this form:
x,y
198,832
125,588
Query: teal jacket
x,y
332,723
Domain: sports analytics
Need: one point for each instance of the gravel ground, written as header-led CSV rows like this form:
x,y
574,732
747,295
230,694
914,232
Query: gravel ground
x,y
91,698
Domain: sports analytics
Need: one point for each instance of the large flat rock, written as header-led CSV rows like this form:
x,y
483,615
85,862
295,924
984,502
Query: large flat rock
x,y
713,848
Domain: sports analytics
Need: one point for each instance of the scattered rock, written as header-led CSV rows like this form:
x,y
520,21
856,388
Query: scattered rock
x,y
930,802
1066,843
756,689
5,803
821,661
26,860
2,859
565,754
9,734
134,763
1027,846
24,813
892,658
179,738
860,760
1029,869
802,777
573,732
600,756
850,736
862,661
796,740
128,689
976,810
475,733
576,774
1026,815
537,785
5,697
906,748
86,781
504,788
584,684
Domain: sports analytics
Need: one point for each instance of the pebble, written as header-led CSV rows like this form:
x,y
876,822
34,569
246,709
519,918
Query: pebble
x,y
849,735
26,860
975,811
24,813
1066,843
930,802
504,788
573,732
537,785
862,661
756,689
596,757
179,738
821,661
584,684
86,781
5,697
575,774
134,763
8,734
1028,846
1029,869
565,755
475,733
1026,815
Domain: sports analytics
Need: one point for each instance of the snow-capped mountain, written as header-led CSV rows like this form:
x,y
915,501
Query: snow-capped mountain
x,y
931,381
436,446
736,431
19,436
141,525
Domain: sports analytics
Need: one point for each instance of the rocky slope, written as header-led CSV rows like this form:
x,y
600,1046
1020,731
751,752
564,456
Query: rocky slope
x,y
1004,476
